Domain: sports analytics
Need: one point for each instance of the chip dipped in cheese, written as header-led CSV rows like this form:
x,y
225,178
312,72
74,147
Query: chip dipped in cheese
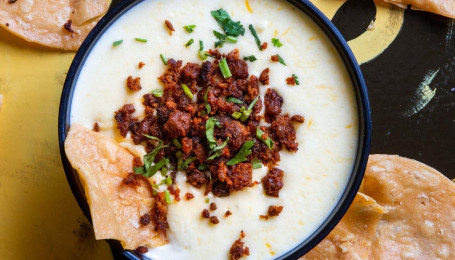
x,y
116,208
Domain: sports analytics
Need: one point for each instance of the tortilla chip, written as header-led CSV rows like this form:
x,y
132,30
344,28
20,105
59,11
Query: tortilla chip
x,y
442,7
352,237
116,208
43,21
420,223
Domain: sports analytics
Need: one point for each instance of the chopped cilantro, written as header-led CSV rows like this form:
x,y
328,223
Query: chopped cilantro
x,y
187,162
207,200
217,150
148,170
281,60
242,154
151,137
168,180
230,27
210,130
234,100
276,42
176,143
251,58
296,79
231,39
256,37
219,44
203,167
189,28
219,35
268,142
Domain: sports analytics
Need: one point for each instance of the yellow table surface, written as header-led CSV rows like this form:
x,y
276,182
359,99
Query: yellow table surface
x,y
39,217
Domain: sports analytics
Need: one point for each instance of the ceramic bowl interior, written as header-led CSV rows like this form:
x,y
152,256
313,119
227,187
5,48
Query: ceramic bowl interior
x,y
358,83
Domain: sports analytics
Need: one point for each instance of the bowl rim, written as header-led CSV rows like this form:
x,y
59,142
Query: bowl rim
x,y
363,107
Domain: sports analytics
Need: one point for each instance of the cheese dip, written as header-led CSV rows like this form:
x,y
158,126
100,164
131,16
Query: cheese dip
x,y
314,177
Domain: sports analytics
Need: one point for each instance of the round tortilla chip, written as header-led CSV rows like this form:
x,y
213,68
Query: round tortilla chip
x,y
442,7
420,223
43,21
352,237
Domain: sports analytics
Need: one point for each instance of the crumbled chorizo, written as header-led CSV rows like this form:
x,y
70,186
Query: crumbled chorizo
x,y
178,124
133,84
273,182
274,211
273,103
275,58
195,177
264,77
290,81
285,133
131,179
205,214
159,213
142,249
241,176
227,214
67,26
212,206
238,250
214,220
124,118
145,219
264,45
96,127
189,196
298,119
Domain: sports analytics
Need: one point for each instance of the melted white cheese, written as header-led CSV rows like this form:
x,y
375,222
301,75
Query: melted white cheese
x,y
315,176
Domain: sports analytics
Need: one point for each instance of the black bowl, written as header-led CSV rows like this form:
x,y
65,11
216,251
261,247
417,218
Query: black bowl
x,y
364,118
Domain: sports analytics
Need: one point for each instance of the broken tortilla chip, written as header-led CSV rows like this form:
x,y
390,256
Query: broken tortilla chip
x,y
59,24
442,7
420,223
352,237
116,208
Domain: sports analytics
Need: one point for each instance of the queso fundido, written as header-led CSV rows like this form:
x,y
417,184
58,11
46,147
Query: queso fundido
x,y
242,118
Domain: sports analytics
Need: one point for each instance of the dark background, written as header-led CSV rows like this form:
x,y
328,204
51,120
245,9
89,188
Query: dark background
x,y
395,75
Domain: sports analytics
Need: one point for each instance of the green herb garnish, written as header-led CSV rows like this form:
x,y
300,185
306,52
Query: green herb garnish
x,y
208,107
225,68
296,79
202,167
268,142
207,200
117,42
219,35
189,42
187,162
219,44
281,60
242,154
251,58
230,27
231,39
157,93
187,90
236,115
245,113
210,130
256,37
276,42
168,180
163,59
201,45
176,143
256,163
234,100
151,137
189,28
148,170
167,197
217,150
140,40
